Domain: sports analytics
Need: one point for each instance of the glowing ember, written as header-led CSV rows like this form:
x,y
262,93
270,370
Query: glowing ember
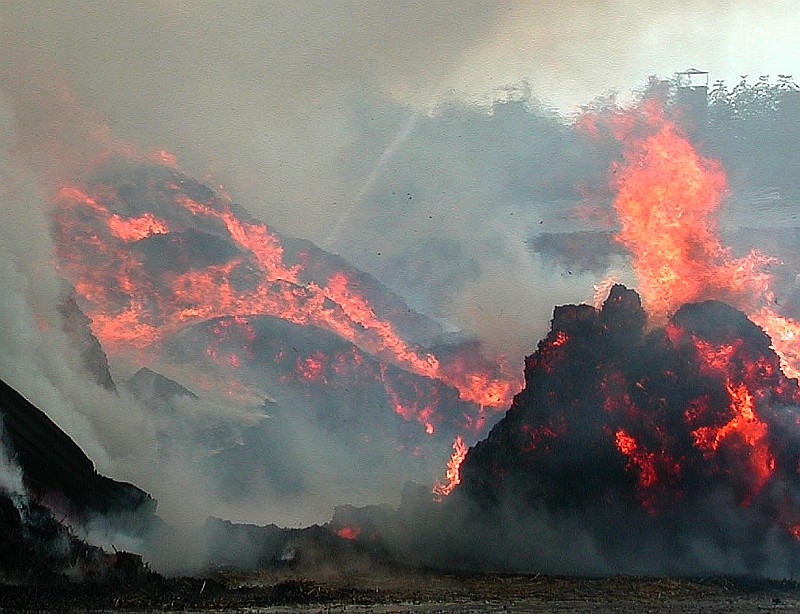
x,y
348,532
453,474
417,404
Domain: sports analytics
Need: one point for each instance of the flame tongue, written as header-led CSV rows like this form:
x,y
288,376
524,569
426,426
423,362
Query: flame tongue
x,y
666,201
453,474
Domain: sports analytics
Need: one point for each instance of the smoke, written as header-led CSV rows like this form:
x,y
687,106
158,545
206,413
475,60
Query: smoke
x,y
114,430
260,96
10,473
573,51
600,467
569,542
264,96
372,127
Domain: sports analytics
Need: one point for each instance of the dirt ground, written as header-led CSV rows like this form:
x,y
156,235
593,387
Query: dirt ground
x,y
421,591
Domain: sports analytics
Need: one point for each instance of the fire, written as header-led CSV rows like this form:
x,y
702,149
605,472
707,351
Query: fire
x,y
785,334
666,201
453,473
715,357
745,423
668,421
312,367
744,428
349,533
601,291
644,461
102,238
418,404
137,228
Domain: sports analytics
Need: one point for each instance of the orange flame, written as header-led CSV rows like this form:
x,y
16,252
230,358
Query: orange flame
x,y
133,308
453,473
667,197
656,471
136,228
749,430
628,446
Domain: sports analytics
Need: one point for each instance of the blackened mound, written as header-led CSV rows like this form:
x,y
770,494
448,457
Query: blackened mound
x,y
651,441
53,465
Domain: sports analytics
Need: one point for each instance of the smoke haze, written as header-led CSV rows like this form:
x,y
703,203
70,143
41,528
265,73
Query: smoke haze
x,y
264,97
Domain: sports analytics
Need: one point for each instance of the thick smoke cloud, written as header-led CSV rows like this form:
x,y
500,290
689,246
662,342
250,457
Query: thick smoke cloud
x,y
259,96
294,107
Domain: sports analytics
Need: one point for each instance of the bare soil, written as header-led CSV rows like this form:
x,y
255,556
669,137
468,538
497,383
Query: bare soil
x,y
418,591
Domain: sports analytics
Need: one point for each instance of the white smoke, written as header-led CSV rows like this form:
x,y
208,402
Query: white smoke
x,y
10,473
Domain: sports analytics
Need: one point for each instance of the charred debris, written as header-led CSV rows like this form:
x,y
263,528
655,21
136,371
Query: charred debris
x,y
62,489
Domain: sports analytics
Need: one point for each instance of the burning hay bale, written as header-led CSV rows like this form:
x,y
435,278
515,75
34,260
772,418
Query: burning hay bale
x,y
669,450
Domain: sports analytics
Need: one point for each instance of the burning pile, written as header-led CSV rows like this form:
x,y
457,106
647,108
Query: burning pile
x,y
150,251
667,436
664,428
671,450
167,268
658,434
689,430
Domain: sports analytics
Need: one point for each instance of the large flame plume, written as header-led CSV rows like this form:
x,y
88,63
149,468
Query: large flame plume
x,y
667,199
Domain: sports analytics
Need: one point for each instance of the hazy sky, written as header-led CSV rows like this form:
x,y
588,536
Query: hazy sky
x,y
572,51
261,95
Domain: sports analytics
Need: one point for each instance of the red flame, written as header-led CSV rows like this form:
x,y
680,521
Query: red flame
x,y
348,532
